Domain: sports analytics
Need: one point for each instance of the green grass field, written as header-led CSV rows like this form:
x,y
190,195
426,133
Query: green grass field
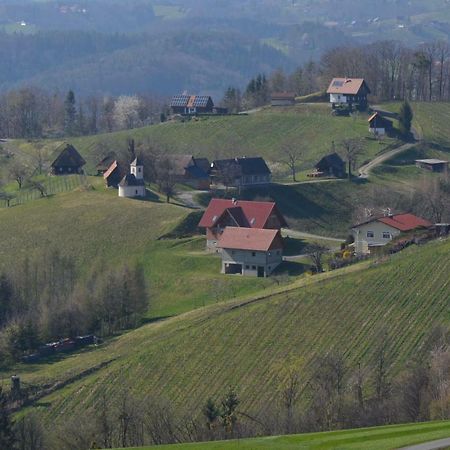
x,y
262,133
379,438
98,229
244,342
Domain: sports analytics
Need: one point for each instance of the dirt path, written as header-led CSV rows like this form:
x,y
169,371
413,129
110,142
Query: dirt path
x,y
302,235
364,171
188,199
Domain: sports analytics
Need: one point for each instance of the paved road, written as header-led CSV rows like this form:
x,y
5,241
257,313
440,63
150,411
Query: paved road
x,y
433,445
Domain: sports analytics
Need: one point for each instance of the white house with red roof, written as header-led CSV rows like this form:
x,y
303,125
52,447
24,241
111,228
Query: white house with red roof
x,y
253,252
379,231
348,91
223,213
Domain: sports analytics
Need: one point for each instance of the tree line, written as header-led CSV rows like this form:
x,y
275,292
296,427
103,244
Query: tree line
x,y
34,113
339,395
392,70
45,298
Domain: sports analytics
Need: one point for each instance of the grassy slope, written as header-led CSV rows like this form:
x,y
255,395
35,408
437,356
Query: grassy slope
x,y
379,438
96,228
262,133
193,356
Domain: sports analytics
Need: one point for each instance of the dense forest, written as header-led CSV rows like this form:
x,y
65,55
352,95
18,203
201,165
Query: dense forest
x,y
142,46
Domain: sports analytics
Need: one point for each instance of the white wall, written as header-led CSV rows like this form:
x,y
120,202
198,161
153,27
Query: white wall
x,y
378,228
338,98
131,191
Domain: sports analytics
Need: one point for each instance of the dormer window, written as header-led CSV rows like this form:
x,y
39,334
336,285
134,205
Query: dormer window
x,y
252,221
214,219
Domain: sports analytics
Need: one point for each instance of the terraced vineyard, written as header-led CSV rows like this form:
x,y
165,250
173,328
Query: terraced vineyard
x,y
244,342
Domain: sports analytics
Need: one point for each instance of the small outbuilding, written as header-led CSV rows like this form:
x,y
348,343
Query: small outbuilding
x,y
68,162
116,171
250,251
283,99
132,184
379,125
189,170
331,165
433,165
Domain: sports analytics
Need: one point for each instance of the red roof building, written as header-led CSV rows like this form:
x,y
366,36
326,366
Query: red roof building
x,y
222,213
348,91
250,251
379,231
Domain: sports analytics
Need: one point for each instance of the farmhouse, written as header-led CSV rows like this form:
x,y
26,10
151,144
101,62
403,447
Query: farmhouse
x,y
379,125
250,251
189,170
69,161
222,213
105,163
132,184
241,172
348,92
331,165
433,165
116,171
379,231
191,104
283,99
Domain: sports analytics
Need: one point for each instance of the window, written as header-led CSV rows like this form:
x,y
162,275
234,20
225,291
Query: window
x,y
253,253
269,267
386,235
136,192
139,169
247,267
232,252
370,234
253,267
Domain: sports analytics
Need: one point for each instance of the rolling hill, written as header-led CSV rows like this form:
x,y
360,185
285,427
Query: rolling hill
x,y
378,438
244,342
263,133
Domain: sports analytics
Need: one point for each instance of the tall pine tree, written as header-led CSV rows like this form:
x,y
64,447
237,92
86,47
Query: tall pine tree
x,y
70,114
405,118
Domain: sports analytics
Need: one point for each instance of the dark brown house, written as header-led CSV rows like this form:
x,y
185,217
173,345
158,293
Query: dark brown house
x,y
105,163
192,104
116,171
69,161
241,172
331,165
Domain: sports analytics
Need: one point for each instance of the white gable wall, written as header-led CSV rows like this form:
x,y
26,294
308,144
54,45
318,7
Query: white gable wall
x,y
338,98
375,233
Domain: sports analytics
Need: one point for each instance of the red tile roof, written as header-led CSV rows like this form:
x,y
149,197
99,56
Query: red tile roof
x,y
405,222
256,213
110,170
255,239
349,86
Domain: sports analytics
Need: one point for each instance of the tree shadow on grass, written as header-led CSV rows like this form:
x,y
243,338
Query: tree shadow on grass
x,y
291,268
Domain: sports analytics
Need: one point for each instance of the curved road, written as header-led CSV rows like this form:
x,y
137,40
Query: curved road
x,y
433,445
364,170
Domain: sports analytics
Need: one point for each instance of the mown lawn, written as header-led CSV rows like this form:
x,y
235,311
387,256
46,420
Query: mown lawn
x,y
244,343
379,438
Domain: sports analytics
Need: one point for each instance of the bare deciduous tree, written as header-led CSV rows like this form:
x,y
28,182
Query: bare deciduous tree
x,y
351,149
292,155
